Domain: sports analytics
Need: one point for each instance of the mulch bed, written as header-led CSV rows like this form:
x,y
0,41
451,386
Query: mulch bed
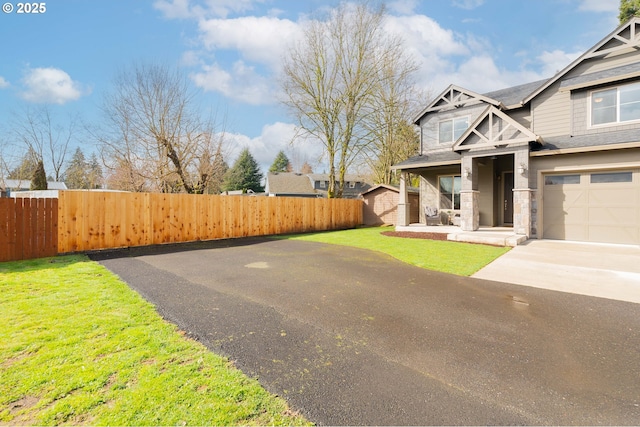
x,y
416,235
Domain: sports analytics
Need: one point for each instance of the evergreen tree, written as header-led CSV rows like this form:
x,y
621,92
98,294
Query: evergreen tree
x,y
39,179
244,175
95,172
281,163
628,9
77,175
220,168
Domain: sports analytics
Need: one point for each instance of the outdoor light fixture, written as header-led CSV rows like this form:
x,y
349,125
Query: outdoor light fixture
x,y
467,173
522,169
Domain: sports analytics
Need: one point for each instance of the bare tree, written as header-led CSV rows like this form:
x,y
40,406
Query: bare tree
x,y
36,130
332,77
157,138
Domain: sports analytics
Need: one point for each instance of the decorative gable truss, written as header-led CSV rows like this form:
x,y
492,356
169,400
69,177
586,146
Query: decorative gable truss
x,y
456,97
494,129
624,38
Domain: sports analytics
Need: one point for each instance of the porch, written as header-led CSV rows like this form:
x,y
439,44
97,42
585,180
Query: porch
x,y
497,236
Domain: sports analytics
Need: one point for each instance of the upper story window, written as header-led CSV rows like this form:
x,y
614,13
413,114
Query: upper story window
x,y
450,130
621,104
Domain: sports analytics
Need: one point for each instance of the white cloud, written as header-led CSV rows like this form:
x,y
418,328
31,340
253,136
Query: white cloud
x,y
273,138
262,39
599,5
184,9
3,83
403,7
555,61
467,4
50,85
241,83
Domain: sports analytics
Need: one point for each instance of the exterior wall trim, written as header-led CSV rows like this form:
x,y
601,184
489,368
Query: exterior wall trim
x,y
594,149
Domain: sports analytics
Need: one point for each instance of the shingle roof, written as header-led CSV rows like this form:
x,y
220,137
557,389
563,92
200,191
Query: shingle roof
x,y
513,96
591,140
603,75
430,159
289,183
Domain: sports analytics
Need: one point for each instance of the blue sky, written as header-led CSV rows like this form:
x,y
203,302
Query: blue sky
x,y
67,56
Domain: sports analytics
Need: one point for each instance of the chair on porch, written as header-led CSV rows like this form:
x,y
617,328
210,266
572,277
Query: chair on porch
x,y
432,215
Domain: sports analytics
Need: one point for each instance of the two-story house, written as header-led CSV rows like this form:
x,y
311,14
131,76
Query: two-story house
x,y
554,159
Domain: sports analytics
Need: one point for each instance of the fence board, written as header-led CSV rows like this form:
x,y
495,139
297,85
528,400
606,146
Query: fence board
x,y
27,228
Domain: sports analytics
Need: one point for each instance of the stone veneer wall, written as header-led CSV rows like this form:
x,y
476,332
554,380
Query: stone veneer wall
x,y
522,211
469,210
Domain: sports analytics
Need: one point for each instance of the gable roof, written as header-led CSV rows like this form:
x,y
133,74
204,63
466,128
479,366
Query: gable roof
x,y
494,128
512,97
394,188
455,97
288,183
626,36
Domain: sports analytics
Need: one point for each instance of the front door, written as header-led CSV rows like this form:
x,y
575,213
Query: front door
x,y
507,198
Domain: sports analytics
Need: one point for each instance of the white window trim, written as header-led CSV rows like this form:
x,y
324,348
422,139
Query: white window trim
x,y
617,122
453,127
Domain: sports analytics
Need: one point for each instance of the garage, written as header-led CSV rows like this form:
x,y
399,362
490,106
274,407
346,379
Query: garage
x,y
592,206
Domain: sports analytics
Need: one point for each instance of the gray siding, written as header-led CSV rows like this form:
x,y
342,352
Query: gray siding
x,y
429,125
551,112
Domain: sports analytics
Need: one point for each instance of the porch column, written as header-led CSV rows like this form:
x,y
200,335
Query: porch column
x,y
469,195
402,213
522,194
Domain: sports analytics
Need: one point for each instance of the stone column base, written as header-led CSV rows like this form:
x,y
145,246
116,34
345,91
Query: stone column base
x,y
469,210
402,214
522,211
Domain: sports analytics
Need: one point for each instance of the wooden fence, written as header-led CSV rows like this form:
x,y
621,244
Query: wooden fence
x,y
101,220
28,228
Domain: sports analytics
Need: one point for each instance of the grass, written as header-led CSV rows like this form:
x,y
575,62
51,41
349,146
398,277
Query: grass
x,y
77,346
462,259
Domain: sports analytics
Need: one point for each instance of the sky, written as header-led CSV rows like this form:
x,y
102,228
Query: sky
x,y
67,56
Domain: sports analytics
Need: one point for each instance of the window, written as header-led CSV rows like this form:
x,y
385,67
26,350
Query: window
x,y
450,192
615,105
561,179
608,177
451,130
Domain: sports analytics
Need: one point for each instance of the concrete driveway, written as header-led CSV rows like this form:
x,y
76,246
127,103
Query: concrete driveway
x,y
601,270
354,337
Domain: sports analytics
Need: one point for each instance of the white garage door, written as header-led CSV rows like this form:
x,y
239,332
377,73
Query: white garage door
x,y
593,206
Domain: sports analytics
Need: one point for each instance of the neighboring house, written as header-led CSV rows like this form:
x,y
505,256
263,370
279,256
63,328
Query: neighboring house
x,y
381,202
354,185
13,188
311,185
554,159
289,184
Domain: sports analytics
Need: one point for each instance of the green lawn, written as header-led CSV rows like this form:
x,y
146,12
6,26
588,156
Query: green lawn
x,y
77,346
462,259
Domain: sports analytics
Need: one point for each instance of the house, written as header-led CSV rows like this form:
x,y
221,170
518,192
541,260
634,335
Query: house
x,y
22,187
289,184
354,185
311,185
554,159
381,202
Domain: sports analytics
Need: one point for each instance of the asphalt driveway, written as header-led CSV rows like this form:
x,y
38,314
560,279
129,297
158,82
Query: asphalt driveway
x,y
354,337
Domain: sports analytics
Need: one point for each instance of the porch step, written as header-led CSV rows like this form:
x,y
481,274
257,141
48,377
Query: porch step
x,y
496,239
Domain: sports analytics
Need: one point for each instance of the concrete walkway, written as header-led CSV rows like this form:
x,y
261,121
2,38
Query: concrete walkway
x,y
497,236
600,270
